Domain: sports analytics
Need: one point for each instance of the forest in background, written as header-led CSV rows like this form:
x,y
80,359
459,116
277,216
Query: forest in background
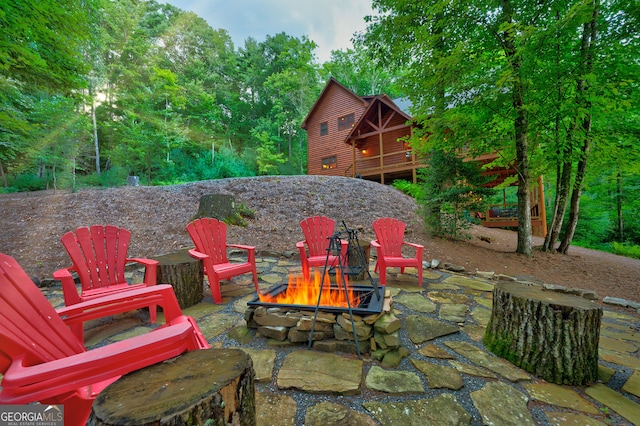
x,y
93,91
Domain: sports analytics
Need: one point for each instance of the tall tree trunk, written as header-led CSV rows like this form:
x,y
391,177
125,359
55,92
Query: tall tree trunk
x,y
563,165
434,213
563,185
95,129
521,126
574,208
619,206
4,177
587,52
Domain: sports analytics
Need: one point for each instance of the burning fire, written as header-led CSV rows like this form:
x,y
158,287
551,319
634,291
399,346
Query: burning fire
x,y
303,292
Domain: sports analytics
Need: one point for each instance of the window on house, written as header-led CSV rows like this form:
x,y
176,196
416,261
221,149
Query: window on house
x,y
324,128
329,162
346,122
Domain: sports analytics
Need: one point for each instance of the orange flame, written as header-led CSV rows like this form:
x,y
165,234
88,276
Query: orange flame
x,y
306,292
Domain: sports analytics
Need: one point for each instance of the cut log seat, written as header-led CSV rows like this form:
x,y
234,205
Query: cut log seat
x,y
549,334
208,386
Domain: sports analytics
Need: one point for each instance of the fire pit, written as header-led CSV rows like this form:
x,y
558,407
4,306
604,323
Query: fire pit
x,y
328,316
298,294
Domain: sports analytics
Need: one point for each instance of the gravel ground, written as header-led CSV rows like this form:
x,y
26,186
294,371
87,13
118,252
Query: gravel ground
x,y
32,224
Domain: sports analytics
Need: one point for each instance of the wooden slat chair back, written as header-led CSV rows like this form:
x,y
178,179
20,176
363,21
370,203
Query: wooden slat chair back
x,y
42,360
210,239
389,243
317,231
99,257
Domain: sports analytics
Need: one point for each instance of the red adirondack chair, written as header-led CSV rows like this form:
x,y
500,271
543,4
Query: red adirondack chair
x,y
317,232
389,242
99,256
42,360
210,238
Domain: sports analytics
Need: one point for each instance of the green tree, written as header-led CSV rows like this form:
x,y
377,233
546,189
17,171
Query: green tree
x,y
479,74
268,159
452,190
356,70
279,84
40,56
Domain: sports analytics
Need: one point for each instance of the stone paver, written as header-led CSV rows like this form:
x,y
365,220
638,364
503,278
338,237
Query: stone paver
x,y
330,414
416,302
443,410
319,372
625,407
558,418
422,329
449,377
502,405
393,381
275,409
439,376
560,396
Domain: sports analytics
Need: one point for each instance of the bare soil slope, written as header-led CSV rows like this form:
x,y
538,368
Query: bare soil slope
x,y
34,222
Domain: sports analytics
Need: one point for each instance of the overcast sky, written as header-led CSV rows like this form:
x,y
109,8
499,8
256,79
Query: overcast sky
x,y
329,23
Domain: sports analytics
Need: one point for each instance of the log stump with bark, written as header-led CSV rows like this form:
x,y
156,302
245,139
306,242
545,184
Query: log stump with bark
x,y
208,386
185,274
551,335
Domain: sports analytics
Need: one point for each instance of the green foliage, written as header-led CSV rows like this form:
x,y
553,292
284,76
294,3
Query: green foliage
x,y
451,189
26,182
414,190
541,86
628,250
112,177
245,211
267,159
361,73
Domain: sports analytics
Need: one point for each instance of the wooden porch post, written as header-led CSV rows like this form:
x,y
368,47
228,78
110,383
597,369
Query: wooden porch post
x,y
381,144
542,206
413,159
353,158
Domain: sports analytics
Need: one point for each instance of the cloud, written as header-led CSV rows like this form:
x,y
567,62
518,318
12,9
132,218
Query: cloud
x,y
329,23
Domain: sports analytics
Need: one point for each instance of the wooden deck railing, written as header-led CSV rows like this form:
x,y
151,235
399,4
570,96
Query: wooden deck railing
x,y
388,162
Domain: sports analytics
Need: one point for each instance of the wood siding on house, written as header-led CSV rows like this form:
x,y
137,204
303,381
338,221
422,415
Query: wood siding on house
x,y
335,101
372,134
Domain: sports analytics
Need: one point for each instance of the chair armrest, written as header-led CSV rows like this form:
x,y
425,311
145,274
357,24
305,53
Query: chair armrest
x,y
144,261
251,251
150,269
415,246
161,294
380,250
419,249
69,289
198,255
241,247
27,383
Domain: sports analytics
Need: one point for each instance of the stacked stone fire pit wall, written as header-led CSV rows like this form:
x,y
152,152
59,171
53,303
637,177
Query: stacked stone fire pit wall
x,y
377,334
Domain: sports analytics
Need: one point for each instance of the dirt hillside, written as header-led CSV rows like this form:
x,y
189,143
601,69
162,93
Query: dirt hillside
x,y
157,216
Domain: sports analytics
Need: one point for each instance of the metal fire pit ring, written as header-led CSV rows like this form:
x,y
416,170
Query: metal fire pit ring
x,y
370,301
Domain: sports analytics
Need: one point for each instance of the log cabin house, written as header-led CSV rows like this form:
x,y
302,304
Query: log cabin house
x,y
363,136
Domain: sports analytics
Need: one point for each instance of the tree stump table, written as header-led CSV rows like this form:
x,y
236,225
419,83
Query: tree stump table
x,y
356,261
185,274
552,335
208,386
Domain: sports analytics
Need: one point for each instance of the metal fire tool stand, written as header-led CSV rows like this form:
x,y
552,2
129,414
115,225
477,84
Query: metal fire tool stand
x,y
335,246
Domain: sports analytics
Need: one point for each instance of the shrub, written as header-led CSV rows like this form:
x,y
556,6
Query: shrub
x,y
452,188
626,249
28,182
411,189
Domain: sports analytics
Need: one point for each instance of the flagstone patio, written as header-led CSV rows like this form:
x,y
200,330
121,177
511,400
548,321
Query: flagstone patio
x,y
446,378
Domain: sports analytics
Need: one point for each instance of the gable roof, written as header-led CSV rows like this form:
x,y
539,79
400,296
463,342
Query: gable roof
x,y
332,82
365,118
